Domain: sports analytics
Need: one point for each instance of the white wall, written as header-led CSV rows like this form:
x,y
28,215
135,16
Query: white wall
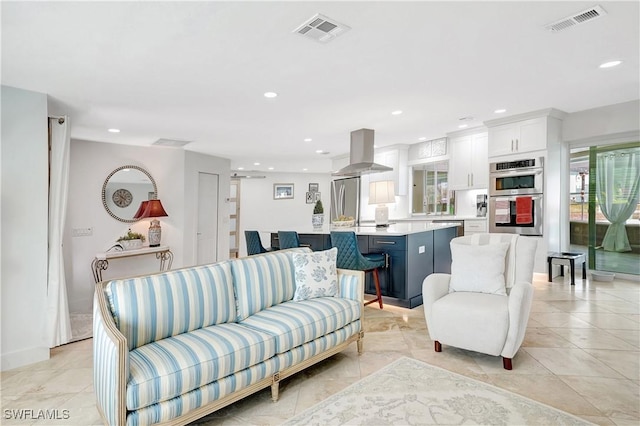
x,y
259,211
24,188
173,169
602,122
194,164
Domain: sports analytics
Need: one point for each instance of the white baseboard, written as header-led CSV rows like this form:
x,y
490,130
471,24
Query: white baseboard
x,y
24,357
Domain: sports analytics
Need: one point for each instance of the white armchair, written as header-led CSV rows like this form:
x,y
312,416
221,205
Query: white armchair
x,y
484,304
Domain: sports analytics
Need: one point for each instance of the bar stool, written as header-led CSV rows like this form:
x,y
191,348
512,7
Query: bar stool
x,y
254,244
288,239
349,257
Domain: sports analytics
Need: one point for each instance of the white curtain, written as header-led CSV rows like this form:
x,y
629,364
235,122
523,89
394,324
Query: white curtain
x,y
618,190
58,321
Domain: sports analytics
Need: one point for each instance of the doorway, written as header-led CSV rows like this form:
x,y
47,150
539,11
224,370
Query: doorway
x,y
604,206
207,227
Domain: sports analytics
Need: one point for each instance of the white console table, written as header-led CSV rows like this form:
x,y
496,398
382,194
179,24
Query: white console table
x,y
101,261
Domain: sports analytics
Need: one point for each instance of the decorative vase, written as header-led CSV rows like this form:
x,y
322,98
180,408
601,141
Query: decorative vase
x,y
317,220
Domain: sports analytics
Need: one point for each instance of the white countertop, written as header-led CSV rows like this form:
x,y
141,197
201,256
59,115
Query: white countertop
x,y
402,228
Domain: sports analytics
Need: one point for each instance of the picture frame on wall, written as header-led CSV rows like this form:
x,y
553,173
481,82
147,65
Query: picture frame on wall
x,y
314,187
282,191
310,197
317,196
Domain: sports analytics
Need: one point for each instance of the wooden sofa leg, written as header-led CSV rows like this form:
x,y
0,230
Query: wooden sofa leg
x,y
437,346
275,387
360,342
506,363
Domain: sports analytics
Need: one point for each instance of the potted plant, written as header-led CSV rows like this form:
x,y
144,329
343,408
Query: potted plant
x,y
317,220
131,240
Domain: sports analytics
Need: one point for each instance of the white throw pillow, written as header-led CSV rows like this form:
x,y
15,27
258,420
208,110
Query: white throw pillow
x,y
478,268
316,274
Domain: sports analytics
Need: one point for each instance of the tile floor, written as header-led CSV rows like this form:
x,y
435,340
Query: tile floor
x,y
581,355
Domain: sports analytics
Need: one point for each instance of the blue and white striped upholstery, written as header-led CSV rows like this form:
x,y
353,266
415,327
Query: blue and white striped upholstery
x,y
262,281
106,368
150,308
317,346
350,287
296,323
170,367
183,404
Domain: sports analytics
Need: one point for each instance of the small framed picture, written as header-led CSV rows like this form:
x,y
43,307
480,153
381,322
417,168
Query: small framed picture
x,y
310,197
313,187
282,191
317,196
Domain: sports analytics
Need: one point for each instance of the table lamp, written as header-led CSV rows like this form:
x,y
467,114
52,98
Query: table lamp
x,y
152,209
381,193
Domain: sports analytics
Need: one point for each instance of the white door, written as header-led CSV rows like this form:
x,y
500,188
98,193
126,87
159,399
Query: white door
x,y
207,228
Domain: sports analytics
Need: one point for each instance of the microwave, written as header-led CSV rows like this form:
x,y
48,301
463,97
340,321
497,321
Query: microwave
x,y
519,177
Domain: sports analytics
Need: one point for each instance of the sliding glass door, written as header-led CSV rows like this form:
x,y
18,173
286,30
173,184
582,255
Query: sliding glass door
x,y
604,209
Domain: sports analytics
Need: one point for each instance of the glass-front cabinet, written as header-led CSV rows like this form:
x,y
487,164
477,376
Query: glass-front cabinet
x,y
431,194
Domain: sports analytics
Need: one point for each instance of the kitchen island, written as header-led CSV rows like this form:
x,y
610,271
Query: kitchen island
x,y
414,249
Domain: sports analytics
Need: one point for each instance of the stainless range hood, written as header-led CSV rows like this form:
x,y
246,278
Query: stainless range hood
x,y
361,156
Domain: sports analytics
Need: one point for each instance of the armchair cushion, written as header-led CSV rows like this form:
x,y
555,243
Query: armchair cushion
x,y
478,268
315,274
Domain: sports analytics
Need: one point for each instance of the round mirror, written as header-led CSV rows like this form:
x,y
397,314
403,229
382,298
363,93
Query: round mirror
x,y
124,189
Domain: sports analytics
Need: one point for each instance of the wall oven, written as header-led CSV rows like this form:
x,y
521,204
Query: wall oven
x,y
516,196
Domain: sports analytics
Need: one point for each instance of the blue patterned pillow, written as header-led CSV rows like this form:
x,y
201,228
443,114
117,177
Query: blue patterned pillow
x,y
316,274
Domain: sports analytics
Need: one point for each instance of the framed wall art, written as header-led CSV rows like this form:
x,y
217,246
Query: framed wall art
x,y
282,191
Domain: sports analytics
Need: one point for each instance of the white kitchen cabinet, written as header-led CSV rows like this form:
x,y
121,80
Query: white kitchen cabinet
x,y
517,137
468,163
475,226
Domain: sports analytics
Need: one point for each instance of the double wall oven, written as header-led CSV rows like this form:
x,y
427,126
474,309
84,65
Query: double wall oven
x,y
516,196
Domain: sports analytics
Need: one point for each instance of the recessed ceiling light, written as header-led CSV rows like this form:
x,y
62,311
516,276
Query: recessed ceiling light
x,y
270,168
396,112
270,94
462,126
304,170
113,130
256,164
610,64
500,111
308,139
319,151
422,139
240,168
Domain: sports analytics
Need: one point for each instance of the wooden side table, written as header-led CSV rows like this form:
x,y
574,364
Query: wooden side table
x,y
101,261
570,260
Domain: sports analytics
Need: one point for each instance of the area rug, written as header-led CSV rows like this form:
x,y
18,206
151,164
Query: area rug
x,y
410,392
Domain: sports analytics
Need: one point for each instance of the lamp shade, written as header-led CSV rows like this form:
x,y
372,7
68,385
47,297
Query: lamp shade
x,y
153,209
381,192
141,209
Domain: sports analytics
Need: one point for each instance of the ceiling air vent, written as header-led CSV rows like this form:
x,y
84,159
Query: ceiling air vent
x,y
321,28
578,18
170,142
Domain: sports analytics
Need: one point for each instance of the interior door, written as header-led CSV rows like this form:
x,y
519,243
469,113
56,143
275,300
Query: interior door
x,y
207,229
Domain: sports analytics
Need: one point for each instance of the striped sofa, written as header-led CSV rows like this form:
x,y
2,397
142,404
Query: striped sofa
x,y
174,346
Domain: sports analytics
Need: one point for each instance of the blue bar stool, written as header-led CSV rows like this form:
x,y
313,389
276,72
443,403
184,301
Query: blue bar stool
x,y
254,244
288,239
349,257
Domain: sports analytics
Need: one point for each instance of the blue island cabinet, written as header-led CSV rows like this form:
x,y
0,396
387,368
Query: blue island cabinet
x,y
412,256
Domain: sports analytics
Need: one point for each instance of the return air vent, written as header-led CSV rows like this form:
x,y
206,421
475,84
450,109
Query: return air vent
x,y
170,142
578,18
321,28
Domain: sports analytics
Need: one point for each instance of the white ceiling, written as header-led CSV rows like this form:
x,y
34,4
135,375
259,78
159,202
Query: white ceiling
x,y
198,70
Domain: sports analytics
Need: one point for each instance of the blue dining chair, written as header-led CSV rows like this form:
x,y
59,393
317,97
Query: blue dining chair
x,y
288,239
349,257
254,244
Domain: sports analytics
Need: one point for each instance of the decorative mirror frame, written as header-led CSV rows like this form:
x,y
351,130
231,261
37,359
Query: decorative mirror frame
x,y
104,191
